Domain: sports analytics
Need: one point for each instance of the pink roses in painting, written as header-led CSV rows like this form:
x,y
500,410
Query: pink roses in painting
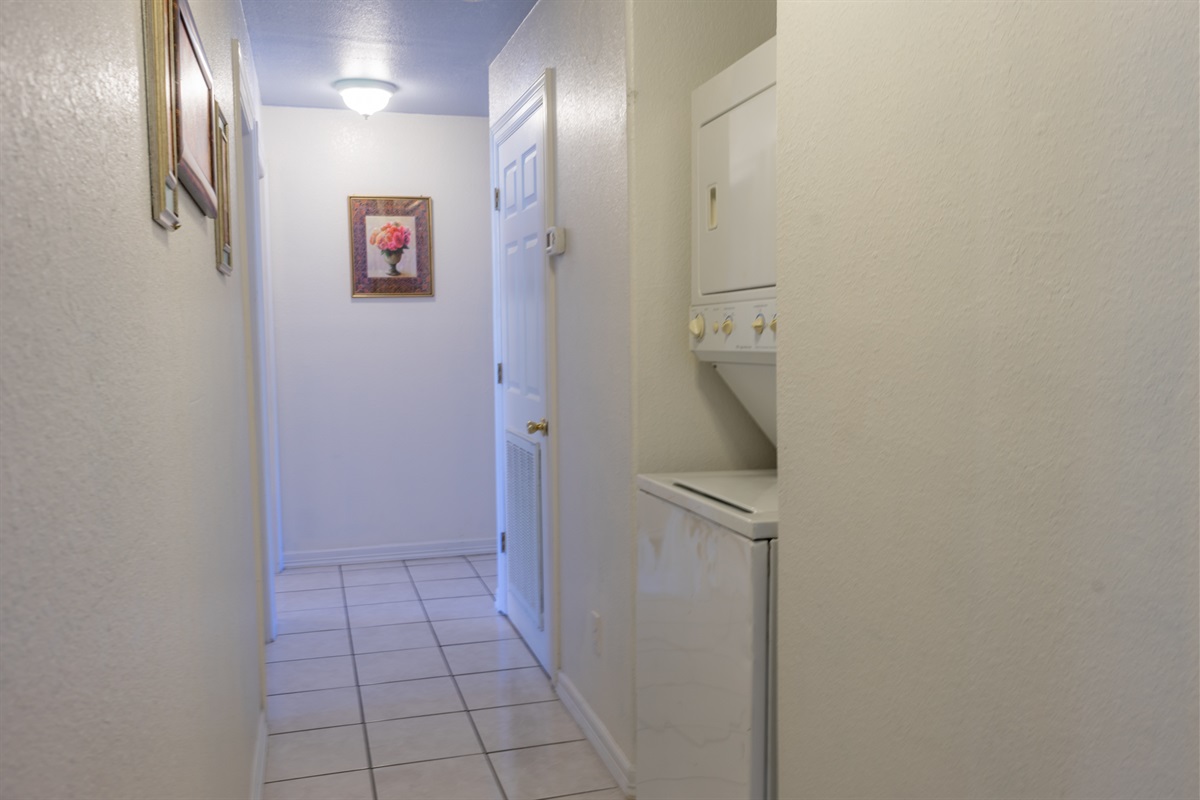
x,y
392,239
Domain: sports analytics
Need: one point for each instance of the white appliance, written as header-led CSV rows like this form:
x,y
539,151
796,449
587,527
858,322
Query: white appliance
x,y
733,318
706,540
705,635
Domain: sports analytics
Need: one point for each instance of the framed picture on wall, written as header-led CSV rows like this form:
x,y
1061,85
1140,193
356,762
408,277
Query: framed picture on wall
x,y
194,112
391,247
224,229
158,23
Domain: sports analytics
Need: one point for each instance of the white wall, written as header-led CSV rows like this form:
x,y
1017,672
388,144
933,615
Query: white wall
x,y
988,400
129,630
385,404
584,43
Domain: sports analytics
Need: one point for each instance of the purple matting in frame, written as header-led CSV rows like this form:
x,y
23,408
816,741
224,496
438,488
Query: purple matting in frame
x,y
372,272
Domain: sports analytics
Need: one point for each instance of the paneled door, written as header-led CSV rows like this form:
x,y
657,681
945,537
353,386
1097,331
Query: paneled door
x,y
524,293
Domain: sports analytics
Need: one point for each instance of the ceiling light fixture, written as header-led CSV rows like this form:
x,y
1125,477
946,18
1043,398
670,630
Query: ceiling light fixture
x,y
364,95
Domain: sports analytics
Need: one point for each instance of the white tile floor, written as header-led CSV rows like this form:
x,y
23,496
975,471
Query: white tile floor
x,y
399,681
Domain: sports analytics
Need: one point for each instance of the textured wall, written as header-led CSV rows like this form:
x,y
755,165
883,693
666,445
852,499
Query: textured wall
x,y
686,417
585,43
128,604
385,404
988,400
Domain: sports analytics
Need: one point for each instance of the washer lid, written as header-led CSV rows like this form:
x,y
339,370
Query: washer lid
x,y
752,494
746,501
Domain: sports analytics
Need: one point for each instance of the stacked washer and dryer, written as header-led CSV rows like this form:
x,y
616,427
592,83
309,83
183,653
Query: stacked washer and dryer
x,y
706,540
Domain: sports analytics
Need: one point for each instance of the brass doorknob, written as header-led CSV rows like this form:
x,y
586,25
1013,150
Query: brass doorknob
x,y
534,427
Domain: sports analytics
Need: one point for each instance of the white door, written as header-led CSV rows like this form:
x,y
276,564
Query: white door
x,y
524,320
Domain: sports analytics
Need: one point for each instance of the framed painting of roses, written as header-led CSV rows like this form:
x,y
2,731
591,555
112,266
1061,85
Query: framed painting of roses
x,y
391,247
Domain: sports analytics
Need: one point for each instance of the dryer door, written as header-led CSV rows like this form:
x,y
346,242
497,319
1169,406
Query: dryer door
x,y
734,245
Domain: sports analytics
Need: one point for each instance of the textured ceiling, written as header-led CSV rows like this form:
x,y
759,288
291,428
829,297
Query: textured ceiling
x,y
436,51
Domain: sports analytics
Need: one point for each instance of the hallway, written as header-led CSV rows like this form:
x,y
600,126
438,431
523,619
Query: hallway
x,y
398,681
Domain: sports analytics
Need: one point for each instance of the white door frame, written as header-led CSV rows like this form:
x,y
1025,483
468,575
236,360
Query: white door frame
x,y
255,264
541,92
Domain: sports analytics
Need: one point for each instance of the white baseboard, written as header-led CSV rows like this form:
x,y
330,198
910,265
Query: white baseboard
x,y
387,552
612,756
258,770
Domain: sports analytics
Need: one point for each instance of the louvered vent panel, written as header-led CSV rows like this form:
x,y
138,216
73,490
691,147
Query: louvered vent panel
x,y
523,518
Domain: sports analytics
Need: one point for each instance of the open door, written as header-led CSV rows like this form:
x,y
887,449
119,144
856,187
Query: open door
x,y
522,170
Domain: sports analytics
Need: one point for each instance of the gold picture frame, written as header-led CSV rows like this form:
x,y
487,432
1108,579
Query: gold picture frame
x,y
391,247
224,231
158,23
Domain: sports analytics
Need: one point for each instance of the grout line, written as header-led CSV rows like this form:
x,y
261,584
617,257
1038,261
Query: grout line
x,y
321,728
313,658
470,719
308,691
310,658
412,622
318,630
534,746
418,591
427,677
295,591
589,791
396,563
314,608
475,641
307,658
451,619
439,644
396,650
501,669
385,624
441,714
381,603
320,775
391,580
485,755
362,712
366,566
456,596
474,577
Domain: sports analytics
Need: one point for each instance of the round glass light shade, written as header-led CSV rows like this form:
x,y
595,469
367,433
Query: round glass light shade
x,y
364,95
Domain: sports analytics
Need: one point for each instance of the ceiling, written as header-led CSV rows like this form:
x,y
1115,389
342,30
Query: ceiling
x,y
436,51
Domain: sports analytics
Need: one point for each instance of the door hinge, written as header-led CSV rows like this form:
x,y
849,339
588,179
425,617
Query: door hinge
x,y
500,374
496,197
504,542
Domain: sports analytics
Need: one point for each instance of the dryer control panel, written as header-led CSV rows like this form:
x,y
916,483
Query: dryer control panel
x,y
743,331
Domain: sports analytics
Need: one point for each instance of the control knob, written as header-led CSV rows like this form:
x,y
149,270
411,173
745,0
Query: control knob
x,y
760,322
727,326
696,326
